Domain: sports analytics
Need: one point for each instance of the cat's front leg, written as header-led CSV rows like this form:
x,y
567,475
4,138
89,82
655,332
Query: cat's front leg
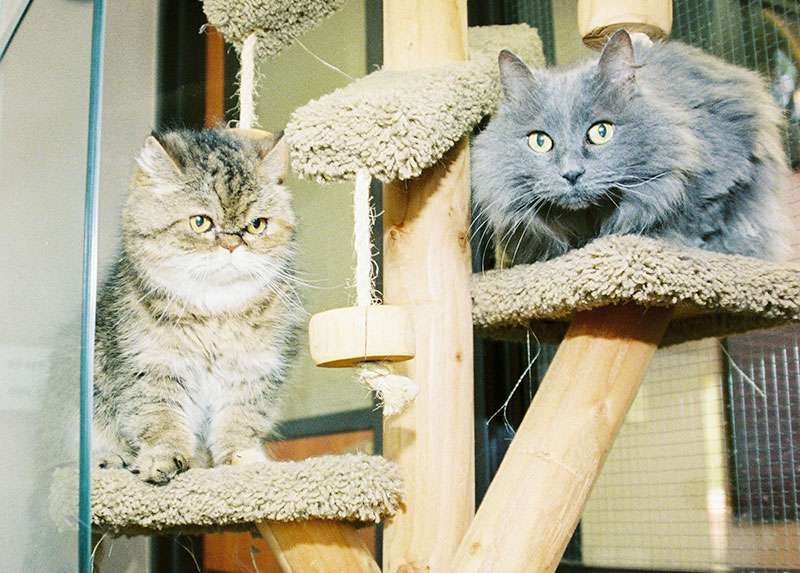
x,y
241,427
163,440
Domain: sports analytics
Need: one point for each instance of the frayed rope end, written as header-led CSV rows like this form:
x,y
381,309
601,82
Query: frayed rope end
x,y
394,392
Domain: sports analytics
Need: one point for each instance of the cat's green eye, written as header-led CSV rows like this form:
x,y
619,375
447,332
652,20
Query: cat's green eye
x,y
600,133
540,142
200,223
257,226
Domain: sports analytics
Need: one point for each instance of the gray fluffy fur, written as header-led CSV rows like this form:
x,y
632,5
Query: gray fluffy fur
x,y
695,156
196,330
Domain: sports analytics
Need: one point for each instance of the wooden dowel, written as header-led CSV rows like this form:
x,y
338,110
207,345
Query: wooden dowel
x,y
536,499
317,546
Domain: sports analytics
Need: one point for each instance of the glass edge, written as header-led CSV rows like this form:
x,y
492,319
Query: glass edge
x,y
8,31
90,285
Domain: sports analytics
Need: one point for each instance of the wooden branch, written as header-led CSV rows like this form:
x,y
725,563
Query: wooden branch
x,y
317,546
427,268
536,499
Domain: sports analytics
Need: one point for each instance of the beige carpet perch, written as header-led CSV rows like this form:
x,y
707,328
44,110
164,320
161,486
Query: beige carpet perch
x,y
713,294
276,23
352,487
396,123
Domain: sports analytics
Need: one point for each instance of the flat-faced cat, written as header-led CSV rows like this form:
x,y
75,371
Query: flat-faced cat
x,y
656,139
197,322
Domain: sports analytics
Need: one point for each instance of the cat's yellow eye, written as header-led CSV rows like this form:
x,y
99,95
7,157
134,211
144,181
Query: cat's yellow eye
x,y
200,223
257,226
540,142
600,133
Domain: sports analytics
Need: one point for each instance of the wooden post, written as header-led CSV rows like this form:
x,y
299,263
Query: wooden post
x,y
427,268
599,19
536,499
317,546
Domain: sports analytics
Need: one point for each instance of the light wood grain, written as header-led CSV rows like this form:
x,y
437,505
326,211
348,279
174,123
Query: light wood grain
x,y
343,337
427,267
420,34
535,501
599,19
317,546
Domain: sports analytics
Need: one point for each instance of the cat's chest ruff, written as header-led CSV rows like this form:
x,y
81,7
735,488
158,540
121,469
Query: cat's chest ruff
x,y
221,348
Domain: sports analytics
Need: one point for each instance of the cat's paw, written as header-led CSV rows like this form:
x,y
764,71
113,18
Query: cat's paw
x,y
111,460
159,464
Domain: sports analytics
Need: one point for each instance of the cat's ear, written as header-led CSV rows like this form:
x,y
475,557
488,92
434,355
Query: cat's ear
x,y
156,161
274,159
515,77
617,61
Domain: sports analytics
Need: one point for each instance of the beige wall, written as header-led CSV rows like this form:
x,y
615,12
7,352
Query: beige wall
x,y
324,211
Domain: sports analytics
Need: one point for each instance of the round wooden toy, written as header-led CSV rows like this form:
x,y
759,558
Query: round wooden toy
x,y
599,19
343,337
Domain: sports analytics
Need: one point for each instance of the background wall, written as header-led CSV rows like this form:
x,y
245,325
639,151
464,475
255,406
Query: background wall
x,y
324,211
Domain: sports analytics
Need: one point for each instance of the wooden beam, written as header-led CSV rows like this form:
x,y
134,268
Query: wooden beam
x,y
317,546
427,267
536,499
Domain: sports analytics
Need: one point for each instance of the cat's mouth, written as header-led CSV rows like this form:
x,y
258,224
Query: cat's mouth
x,y
578,199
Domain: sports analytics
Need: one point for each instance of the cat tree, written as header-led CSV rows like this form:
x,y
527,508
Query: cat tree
x,y
613,302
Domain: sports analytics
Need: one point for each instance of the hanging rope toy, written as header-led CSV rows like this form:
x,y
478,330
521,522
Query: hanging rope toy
x,y
369,336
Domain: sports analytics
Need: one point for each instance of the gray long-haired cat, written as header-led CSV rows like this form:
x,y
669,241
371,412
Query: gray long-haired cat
x,y
656,139
197,322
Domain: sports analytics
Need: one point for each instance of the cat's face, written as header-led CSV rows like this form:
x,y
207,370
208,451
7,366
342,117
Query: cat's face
x,y
568,143
208,220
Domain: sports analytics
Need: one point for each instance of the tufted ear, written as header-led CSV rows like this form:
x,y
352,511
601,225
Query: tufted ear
x,y
156,161
515,77
274,158
617,62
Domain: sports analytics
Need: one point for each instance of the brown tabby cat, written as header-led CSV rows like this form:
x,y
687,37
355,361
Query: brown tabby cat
x,y
197,322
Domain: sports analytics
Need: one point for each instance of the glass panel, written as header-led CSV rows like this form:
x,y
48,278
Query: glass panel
x,y
44,95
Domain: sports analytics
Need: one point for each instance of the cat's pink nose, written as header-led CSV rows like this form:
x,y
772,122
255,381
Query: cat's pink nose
x,y
230,242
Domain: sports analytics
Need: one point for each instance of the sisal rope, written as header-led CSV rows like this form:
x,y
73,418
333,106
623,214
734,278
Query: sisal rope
x,y
247,84
393,391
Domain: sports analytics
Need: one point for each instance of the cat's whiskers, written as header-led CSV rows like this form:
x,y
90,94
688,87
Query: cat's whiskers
x,y
610,196
170,299
639,181
522,218
274,276
480,233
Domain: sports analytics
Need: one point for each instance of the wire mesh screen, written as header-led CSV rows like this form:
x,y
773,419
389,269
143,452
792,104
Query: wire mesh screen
x,y
705,473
